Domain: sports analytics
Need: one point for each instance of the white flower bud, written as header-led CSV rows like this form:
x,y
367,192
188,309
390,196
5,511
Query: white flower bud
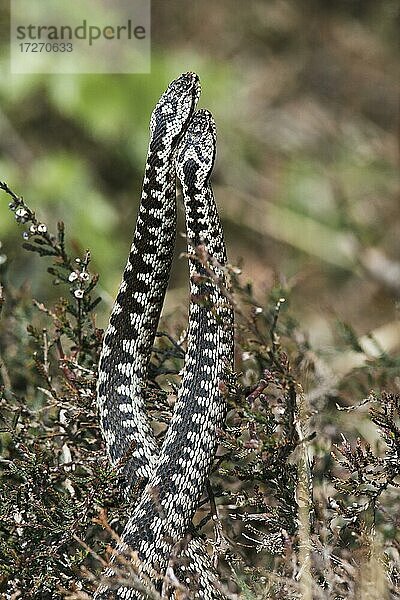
x,y
21,212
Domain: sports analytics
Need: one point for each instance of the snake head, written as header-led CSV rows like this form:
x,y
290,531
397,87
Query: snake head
x,y
196,151
174,110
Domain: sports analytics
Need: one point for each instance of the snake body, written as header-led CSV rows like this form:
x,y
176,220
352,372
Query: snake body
x,y
133,323
175,475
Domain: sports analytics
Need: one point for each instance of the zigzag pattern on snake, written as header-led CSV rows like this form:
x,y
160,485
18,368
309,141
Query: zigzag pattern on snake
x,y
176,473
130,335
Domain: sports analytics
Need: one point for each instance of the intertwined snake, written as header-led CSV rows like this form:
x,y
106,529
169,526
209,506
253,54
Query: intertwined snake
x,y
172,478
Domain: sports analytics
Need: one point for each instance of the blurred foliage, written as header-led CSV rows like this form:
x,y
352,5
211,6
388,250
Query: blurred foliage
x,y
305,98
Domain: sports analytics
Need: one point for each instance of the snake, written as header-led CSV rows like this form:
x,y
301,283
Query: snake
x,y
129,337
183,144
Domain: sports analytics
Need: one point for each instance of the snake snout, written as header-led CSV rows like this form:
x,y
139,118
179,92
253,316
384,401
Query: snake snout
x,y
187,82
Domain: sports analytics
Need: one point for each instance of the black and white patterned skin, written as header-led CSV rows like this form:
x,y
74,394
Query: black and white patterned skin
x,y
134,319
177,472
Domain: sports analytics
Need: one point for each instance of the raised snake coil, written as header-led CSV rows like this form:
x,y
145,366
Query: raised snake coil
x,y
174,475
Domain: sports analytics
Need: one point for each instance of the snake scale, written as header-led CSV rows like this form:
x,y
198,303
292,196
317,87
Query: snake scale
x,y
171,478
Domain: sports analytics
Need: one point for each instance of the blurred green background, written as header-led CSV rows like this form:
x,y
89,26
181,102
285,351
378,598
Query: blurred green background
x,y
305,96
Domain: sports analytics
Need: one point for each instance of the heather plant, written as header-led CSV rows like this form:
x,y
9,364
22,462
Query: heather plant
x,y
292,508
